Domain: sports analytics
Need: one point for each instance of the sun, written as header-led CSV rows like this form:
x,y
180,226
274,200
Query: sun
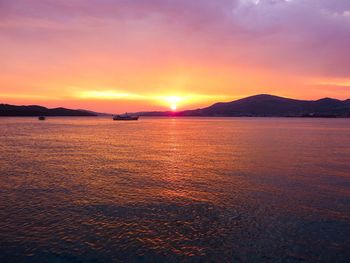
x,y
173,102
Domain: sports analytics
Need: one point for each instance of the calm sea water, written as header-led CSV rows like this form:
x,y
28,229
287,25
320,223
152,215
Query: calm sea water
x,y
169,190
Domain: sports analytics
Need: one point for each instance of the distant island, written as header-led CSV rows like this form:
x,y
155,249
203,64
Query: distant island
x,y
255,106
7,110
267,106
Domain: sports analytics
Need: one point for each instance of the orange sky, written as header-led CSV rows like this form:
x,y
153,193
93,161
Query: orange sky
x,y
154,55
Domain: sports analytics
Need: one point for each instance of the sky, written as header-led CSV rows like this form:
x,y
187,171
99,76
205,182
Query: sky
x,y
133,55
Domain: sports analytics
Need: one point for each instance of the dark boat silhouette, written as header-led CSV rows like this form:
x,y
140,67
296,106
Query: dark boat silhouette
x,y
41,118
125,117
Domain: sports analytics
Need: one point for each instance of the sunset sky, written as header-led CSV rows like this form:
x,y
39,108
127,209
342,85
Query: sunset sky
x,y
120,55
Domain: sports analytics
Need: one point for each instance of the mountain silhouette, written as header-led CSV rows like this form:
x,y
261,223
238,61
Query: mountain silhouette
x,y
265,105
34,110
262,105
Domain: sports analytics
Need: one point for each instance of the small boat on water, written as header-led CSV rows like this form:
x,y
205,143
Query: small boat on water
x,y
41,118
125,117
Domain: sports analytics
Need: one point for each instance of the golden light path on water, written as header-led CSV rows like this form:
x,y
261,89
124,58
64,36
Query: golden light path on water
x,y
186,189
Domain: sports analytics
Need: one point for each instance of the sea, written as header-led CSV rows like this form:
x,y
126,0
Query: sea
x,y
90,189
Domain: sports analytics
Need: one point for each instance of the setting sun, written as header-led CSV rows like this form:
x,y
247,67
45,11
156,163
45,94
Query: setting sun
x,y
173,101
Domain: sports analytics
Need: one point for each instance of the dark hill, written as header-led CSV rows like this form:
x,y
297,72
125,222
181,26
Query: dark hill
x,y
271,106
11,110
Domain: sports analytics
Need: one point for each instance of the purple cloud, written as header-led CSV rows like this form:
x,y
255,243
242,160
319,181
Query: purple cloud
x,y
297,36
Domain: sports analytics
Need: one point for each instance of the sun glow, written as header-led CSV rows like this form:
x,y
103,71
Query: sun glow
x,y
106,95
173,101
170,101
